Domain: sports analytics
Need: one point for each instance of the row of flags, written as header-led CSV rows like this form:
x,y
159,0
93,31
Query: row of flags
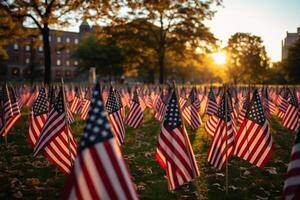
x,y
238,124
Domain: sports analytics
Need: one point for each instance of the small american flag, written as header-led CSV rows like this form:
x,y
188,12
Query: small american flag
x,y
212,106
113,107
224,133
291,116
291,188
174,152
254,142
76,102
57,149
37,117
99,171
11,110
85,105
245,107
135,116
54,125
282,103
160,106
190,111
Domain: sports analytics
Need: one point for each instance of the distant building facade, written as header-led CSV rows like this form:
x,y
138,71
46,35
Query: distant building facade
x,y
288,42
22,55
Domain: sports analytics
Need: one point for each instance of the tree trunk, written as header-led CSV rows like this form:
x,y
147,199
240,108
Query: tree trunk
x,y
161,64
47,55
32,63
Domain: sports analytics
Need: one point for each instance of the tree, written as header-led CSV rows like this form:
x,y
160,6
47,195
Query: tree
x,y
247,60
292,62
174,24
44,14
92,52
136,44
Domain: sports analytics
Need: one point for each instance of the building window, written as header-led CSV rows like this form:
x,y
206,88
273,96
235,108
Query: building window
x,y
76,41
75,62
68,73
68,63
27,60
68,40
41,61
27,48
40,37
58,62
16,46
49,38
58,52
58,39
57,73
27,72
15,71
40,49
68,51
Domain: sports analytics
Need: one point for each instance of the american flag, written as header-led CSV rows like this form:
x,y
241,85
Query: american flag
x,y
32,97
291,116
51,96
282,102
135,116
120,103
37,117
291,188
190,111
182,97
57,149
85,105
269,106
222,145
99,171
160,106
16,113
7,110
54,125
113,107
254,142
245,107
76,102
174,152
211,105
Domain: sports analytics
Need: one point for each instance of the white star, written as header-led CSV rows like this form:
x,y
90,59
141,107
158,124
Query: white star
x,y
92,138
95,129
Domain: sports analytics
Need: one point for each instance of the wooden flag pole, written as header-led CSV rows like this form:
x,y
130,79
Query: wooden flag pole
x,y
226,110
67,121
186,143
4,119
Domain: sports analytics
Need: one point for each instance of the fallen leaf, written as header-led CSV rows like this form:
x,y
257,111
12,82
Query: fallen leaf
x,y
271,170
261,198
246,173
232,187
18,195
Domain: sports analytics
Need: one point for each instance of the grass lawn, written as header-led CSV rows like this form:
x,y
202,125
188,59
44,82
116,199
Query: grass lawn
x,y
22,176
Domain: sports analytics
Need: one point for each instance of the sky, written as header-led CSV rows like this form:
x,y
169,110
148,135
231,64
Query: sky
x,y
269,19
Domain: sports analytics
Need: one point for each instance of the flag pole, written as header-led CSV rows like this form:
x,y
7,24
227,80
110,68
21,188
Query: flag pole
x,y
185,136
67,121
226,110
4,119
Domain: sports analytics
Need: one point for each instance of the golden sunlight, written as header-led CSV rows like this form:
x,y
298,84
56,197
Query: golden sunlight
x,y
219,58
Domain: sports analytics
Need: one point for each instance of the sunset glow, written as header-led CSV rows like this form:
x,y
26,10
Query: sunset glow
x,y
219,58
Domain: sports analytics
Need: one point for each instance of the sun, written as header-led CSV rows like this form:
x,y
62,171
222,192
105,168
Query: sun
x,y
219,58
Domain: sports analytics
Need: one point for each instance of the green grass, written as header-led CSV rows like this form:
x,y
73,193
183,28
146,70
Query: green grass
x,y
18,167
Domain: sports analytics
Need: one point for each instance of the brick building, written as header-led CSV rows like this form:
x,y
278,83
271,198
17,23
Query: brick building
x,y
288,42
22,55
